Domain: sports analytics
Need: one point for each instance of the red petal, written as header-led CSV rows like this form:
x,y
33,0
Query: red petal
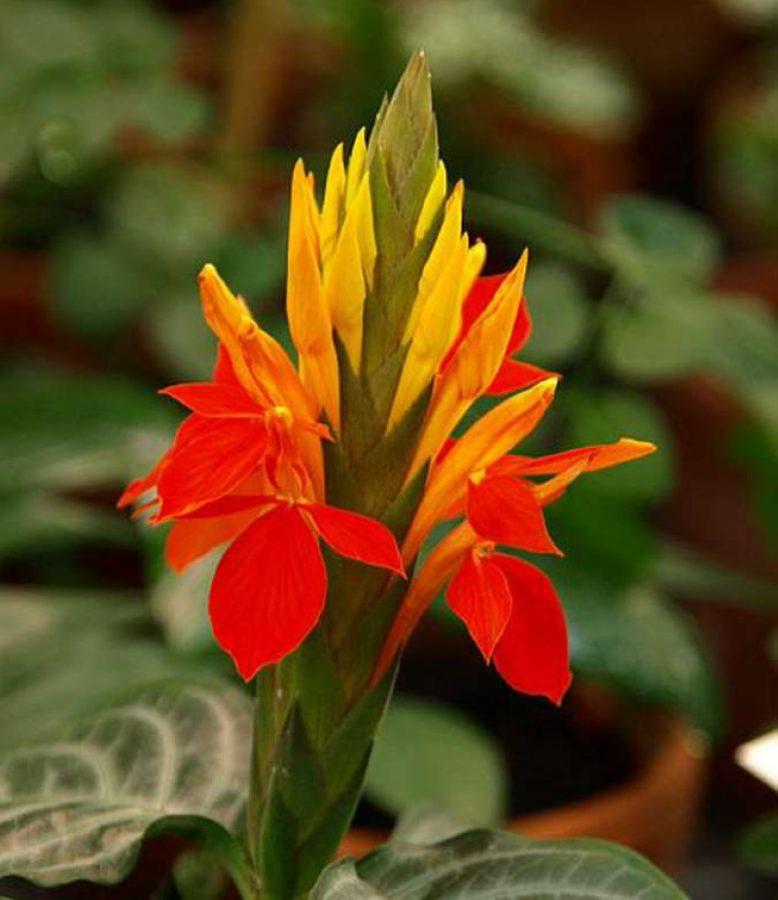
x,y
480,296
532,654
209,458
136,489
505,510
479,595
268,592
514,375
223,371
357,537
522,328
214,399
190,539
227,506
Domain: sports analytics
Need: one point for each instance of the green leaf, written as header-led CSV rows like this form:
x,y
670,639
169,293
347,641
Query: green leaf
x,y
671,332
603,416
745,355
65,653
97,288
489,864
758,845
179,602
642,646
38,520
153,197
405,769
181,339
61,431
80,807
649,240
684,573
557,304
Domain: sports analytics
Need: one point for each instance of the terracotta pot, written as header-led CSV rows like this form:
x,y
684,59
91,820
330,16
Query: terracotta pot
x,y
712,513
654,812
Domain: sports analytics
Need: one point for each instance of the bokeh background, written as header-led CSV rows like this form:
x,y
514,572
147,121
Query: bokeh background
x,y
634,148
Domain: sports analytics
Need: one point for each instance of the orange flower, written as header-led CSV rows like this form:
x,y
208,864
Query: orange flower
x,y
396,337
509,606
246,467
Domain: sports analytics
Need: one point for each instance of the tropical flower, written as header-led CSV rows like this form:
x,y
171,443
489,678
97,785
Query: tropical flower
x,y
246,467
397,335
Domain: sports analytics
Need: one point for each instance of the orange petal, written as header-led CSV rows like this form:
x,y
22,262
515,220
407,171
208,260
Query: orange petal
x,y
479,595
505,510
309,318
357,537
601,456
268,591
259,362
532,654
437,569
486,441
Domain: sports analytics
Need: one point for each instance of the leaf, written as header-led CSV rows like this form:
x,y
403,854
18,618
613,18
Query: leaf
x,y
39,520
607,414
152,197
557,304
80,807
405,769
642,646
181,339
179,602
65,654
671,332
97,287
650,240
758,845
490,864
682,572
61,431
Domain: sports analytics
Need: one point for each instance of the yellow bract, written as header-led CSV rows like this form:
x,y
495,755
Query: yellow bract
x,y
330,269
473,367
436,315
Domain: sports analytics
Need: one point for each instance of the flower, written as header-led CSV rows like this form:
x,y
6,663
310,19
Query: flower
x,y
397,335
509,606
246,467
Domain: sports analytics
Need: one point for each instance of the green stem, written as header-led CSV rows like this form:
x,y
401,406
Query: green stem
x,y
538,228
312,741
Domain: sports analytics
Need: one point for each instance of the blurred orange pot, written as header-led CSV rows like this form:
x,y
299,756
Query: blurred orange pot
x,y
655,812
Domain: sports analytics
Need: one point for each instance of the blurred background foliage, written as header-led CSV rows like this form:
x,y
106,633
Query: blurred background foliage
x,y
635,152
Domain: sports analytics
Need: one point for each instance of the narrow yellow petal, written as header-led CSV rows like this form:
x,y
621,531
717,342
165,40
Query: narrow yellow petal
x,y
345,285
309,318
356,166
363,211
445,244
436,327
473,367
432,202
476,257
491,437
333,205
